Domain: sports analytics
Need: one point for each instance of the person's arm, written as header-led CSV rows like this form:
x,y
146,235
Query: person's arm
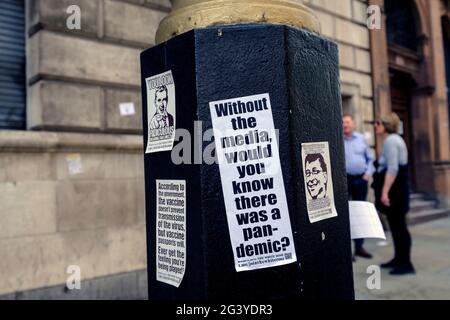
x,y
369,162
388,182
392,158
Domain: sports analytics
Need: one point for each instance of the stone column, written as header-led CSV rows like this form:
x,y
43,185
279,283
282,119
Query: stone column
x,y
439,107
380,67
189,14
229,50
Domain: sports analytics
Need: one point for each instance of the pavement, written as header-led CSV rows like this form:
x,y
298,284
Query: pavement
x,y
430,256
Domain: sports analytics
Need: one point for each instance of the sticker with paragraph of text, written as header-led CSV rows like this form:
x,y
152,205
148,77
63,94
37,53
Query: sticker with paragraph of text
x,y
170,231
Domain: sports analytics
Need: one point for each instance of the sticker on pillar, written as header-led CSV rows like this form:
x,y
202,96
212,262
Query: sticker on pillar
x,y
318,181
252,183
160,112
74,164
170,231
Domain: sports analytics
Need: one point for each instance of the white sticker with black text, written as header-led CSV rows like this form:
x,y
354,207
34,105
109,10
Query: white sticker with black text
x,y
127,109
170,231
252,183
74,164
318,181
160,112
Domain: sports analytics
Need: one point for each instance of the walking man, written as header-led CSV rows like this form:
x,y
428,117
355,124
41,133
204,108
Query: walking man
x,y
359,163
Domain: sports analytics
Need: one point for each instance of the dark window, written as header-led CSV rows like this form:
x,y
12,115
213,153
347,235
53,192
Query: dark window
x,y
12,64
347,107
401,24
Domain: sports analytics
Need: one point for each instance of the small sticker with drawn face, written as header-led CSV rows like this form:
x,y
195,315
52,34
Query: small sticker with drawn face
x,y
318,181
160,112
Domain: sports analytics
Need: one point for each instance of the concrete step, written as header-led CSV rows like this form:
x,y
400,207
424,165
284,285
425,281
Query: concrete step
x,y
427,215
417,206
417,196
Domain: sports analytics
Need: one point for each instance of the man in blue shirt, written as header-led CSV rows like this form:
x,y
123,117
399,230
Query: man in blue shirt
x,y
359,163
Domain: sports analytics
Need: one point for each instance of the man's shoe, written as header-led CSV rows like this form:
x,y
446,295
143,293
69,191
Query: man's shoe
x,y
389,265
403,270
363,254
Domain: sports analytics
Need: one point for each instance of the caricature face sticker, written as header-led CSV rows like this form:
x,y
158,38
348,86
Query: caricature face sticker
x,y
162,118
160,112
318,181
316,176
161,100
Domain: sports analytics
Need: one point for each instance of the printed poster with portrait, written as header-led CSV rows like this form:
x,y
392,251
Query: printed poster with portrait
x,y
160,112
318,181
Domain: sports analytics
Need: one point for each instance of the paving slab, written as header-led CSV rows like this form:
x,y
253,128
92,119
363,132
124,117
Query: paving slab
x,y
431,258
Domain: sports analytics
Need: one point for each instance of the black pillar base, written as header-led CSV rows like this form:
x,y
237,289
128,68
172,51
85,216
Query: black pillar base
x,y
300,72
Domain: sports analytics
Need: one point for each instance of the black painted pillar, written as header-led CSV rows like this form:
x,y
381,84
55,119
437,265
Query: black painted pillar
x,y
300,72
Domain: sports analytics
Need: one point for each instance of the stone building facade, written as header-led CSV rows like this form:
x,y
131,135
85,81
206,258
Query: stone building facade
x,y
345,22
411,72
71,182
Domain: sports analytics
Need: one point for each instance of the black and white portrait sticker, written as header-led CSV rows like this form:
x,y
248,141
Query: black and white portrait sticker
x,y
318,181
252,183
160,112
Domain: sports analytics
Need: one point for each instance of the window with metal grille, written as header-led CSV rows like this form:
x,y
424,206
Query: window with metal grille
x,y
401,24
12,64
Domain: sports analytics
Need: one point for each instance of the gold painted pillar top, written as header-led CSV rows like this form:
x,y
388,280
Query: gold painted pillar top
x,y
190,14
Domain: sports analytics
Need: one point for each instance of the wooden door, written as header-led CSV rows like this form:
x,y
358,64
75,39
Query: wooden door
x,y
401,91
